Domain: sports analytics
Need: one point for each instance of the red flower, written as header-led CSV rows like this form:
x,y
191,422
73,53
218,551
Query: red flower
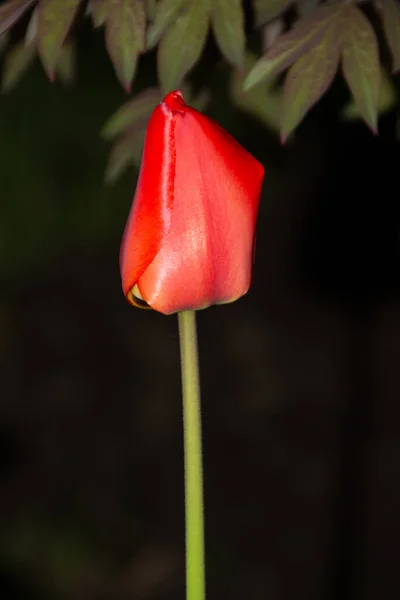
x,y
189,239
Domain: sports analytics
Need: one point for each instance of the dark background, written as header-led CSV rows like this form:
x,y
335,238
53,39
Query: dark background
x,y
300,379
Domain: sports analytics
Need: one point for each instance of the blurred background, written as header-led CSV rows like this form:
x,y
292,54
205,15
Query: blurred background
x,y
300,379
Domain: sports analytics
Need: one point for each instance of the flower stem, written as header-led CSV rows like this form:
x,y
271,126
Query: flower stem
x,y
195,571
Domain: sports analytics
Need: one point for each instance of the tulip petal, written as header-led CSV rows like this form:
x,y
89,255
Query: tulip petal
x,y
150,216
207,254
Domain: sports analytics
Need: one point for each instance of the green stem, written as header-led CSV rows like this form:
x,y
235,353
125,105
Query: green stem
x,y
195,571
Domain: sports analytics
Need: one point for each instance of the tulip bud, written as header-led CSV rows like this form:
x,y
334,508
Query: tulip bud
x,y
188,242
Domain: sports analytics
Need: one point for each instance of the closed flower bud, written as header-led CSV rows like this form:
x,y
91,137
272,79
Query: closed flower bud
x,y
189,239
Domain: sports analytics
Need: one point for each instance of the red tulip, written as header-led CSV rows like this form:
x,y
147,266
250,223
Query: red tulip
x,y
189,239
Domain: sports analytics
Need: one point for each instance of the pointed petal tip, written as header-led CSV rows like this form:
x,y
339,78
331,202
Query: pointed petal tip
x,y
174,101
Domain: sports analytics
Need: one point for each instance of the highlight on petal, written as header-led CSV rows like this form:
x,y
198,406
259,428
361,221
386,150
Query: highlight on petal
x,y
189,238
150,216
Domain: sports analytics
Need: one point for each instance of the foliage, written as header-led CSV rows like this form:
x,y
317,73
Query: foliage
x,y
308,40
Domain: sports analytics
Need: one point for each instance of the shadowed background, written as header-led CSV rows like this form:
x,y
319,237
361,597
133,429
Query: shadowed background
x,y
300,379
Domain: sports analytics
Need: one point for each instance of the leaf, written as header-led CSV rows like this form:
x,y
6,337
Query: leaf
x,y
16,63
391,26
11,12
32,29
137,109
308,79
307,34
262,102
360,64
166,13
125,152
227,19
97,10
267,10
182,45
55,20
387,100
66,66
125,32
151,9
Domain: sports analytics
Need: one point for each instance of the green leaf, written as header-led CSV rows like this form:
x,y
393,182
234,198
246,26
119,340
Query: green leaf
x,y
387,100
262,102
267,10
166,13
307,34
55,20
66,66
227,19
16,62
126,152
360,64
32,29
391,26
125,33
308,79
11,12
182,45
97,10
136,110
151,9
